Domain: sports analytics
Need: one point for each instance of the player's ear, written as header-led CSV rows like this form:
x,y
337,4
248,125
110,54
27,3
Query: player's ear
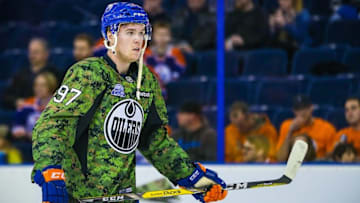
x,y
110,37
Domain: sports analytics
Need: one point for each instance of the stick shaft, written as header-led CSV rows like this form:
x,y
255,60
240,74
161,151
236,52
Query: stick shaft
x,y
175,192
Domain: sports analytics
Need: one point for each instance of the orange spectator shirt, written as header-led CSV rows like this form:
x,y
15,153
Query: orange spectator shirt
x,y
234,139
321,131
353,136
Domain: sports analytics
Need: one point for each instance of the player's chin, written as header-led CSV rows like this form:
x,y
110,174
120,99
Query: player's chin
x,y
134,57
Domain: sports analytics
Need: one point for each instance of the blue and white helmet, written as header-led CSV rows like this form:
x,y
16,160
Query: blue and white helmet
x,y
119,13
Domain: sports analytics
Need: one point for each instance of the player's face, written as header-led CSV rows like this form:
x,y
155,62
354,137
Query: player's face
x,y
37,53
352,112
41,88
130,41
81,50
162,36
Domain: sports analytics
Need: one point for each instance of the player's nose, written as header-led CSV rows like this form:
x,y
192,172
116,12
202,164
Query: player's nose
x,y
138,39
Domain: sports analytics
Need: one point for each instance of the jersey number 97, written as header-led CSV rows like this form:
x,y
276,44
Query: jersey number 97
x,y
63,91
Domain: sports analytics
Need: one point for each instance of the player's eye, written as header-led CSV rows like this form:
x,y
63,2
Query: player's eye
x,y
130,32
141,33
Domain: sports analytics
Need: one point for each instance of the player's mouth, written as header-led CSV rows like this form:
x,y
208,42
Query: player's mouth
x,y
136,49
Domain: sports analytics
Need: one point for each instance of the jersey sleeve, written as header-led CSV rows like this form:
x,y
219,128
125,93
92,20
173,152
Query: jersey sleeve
x,y
54,132
160,149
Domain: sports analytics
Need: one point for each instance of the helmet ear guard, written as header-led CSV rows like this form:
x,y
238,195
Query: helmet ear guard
x,y
114,30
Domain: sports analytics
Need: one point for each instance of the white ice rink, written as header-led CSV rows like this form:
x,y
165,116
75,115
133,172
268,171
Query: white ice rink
x,y
313,184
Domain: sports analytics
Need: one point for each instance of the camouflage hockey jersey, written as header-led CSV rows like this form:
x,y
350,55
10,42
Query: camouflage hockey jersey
x,y
120,124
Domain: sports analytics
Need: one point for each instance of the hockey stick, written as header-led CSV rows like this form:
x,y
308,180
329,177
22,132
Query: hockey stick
x,y
296,157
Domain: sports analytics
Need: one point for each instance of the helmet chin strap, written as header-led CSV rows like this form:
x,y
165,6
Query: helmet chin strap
x,y
112,48
141,61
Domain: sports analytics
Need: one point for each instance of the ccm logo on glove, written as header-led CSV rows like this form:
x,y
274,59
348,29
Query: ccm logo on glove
x,y
53,174
193,176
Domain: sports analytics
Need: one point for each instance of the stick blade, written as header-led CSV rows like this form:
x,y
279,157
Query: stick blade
x,y
296,158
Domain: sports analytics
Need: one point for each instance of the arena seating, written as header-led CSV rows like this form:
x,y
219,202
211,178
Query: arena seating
x,y
305,59
352,59
266,62
343,31
337,90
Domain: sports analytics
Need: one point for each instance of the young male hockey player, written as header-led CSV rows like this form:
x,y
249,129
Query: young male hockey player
x,y
106,107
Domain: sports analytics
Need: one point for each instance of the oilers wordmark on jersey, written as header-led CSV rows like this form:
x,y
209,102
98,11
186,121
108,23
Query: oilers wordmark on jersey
x,y
123,124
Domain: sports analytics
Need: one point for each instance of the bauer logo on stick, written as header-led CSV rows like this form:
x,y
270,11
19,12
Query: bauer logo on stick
x,y
123,124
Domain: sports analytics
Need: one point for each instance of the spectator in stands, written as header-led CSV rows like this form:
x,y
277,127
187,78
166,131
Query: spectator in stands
x,y
26,116
246,26
13,156
83,46
194,27
311,153
351,134
155,10
165,59
321,131
345,10
256,149
344,153
21,84
289,25
243,125
195,135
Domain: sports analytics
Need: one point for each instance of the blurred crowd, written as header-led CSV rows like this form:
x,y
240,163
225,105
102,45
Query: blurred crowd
x,y
181,30
251,137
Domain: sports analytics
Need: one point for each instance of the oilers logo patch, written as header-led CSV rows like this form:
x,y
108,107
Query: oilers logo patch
x,y
122,126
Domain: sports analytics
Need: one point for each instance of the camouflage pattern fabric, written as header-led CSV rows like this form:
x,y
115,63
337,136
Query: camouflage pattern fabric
x,y
109,170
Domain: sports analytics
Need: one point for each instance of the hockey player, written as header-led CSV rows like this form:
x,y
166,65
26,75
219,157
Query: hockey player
x,y
106,107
